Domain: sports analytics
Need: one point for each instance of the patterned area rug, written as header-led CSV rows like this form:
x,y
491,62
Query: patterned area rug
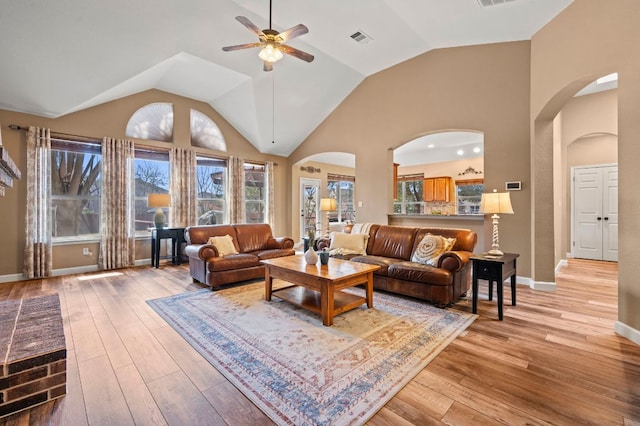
x,y
300,372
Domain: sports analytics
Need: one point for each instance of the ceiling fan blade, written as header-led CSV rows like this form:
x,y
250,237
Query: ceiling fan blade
x,y
241,46
268,66
247,23
295,52
292,32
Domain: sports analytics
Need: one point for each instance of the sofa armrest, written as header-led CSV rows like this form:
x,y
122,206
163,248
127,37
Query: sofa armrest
x,y
280,243
201,251
454,261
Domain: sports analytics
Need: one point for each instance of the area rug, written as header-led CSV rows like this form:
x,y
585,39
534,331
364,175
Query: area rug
x,y
300,372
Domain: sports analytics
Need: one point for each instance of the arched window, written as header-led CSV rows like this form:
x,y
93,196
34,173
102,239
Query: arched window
x,y
205,133
152,121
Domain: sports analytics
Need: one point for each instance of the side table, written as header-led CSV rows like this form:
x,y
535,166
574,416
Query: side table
x,y
177,238
494,268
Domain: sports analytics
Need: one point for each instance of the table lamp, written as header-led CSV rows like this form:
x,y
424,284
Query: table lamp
x,y
159,201
496,203
328,205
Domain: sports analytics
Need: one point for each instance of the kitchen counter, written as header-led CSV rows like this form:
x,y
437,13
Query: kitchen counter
x,y
475,222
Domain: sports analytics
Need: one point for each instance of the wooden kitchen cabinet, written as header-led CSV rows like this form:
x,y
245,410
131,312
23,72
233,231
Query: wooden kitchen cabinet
x,y
438,189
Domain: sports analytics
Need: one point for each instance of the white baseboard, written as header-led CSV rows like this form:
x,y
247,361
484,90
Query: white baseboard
x,y
630,333
536,285
67,271
560,264
11,278
544,286
74,270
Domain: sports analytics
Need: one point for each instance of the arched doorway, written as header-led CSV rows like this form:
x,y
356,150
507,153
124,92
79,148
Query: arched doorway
x,y
322,175
551,195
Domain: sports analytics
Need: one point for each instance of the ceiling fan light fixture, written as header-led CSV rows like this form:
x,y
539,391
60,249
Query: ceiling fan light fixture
x,y
270,53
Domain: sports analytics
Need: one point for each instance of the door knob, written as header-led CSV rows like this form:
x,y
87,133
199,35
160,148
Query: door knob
x,y
606,218
599,218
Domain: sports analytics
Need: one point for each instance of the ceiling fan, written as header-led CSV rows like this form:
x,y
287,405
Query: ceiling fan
x,y
272,42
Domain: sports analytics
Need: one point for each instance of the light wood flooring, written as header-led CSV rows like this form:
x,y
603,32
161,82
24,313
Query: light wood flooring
x,y
555,359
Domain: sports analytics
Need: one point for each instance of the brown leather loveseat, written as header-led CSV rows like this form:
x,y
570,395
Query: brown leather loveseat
x,y
393,248
251,244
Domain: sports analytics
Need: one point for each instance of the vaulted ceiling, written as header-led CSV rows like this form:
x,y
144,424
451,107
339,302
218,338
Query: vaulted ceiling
x,y
63,56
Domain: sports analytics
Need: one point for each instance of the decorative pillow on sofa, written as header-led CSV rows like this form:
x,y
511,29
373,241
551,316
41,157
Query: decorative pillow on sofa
x,y
431,248
342,243
224,245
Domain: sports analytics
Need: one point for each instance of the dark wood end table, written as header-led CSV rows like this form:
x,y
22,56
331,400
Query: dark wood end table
x,y
494,269
177,238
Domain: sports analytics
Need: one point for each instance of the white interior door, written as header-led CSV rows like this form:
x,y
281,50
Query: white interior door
x,y
595,213
309,205
610,213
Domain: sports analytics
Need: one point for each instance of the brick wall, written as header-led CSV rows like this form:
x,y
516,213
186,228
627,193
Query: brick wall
x,y
33,351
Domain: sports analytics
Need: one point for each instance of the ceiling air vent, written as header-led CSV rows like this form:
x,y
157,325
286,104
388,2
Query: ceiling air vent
x,y
487,3
361,37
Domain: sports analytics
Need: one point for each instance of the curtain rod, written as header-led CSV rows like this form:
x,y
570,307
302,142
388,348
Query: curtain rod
x,y
92,139
61,134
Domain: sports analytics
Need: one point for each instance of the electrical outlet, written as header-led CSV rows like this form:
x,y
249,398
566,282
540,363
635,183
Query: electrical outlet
x,y
86,252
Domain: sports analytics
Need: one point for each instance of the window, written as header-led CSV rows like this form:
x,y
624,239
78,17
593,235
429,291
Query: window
x,y
254,193
205,133
469,193
153,121
75,190
211,177
151,173
410,192
341,188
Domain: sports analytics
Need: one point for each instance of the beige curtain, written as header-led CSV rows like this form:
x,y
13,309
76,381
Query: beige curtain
x,y
37,251
236,190
183,187
117,247
269,193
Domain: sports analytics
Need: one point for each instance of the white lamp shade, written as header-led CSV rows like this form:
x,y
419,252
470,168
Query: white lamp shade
x,y
496,202
328,204
159,200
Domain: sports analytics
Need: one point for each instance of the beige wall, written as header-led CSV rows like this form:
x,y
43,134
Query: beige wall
x,y
589,39
476,88
110,119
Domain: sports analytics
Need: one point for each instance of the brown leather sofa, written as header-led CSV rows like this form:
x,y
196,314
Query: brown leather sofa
x,y
392,247
253,242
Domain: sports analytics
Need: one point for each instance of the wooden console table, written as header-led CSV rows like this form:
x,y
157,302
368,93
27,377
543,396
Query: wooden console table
x,y
317,287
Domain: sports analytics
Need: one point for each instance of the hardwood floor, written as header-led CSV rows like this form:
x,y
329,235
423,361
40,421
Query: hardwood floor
x,y
555,359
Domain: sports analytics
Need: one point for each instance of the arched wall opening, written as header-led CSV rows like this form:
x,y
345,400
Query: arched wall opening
x,y
561,123
454,154
310,177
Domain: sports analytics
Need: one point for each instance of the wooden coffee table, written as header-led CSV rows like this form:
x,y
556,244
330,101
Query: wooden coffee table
x,y
317,287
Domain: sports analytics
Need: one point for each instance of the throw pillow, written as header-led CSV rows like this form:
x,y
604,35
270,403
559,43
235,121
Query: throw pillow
x,y
224,245
431,248
342,243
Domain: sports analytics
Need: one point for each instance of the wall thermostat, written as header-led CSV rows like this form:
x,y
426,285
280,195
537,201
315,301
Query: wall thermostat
x,y
513,186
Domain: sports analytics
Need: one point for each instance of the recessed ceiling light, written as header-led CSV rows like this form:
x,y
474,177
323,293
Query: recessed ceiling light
x,y
430,145
476,150
460,152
